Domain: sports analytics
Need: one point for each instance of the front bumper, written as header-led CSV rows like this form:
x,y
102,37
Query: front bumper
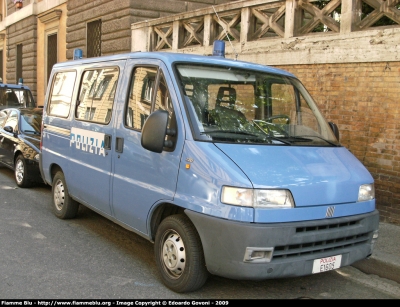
x,y
289,248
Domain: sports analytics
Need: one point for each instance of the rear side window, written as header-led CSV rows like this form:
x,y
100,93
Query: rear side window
x,y
61,93
96,95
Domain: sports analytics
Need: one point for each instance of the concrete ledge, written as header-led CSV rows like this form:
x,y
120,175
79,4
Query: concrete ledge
x,y
379,268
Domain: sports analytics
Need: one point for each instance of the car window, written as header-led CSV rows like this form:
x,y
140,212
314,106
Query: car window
x,y
141,94
61,93
12,120
30,122
163,100
15,98
96,95
3,116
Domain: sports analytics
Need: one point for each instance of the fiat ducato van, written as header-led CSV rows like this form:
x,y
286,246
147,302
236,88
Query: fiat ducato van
x,y
228,167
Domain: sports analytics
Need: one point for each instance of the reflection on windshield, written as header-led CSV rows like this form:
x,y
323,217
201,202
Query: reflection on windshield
x,y
243,106
31,123
15,98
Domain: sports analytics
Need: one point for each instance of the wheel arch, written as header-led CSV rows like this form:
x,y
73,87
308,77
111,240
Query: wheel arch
x,y
162,211
16,154
54,168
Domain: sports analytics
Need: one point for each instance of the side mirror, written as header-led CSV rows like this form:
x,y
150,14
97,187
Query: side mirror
x,y
154,131
335,129
9,129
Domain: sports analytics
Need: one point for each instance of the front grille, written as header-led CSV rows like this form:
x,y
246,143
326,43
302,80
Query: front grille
x,y
324,227
335,245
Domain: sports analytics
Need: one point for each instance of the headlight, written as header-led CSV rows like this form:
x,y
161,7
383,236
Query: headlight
x,y
366,192
273,199
257,198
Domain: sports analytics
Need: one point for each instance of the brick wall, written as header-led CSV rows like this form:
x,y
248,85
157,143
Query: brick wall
x,y
363,100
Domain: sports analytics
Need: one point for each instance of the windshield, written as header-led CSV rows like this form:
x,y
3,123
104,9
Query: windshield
x,y
15,98
31,122
243,106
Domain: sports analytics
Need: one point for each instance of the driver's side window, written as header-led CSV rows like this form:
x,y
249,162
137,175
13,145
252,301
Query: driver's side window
x,y
141,94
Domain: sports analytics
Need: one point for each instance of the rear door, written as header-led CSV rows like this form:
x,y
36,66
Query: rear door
x,y
91,136
143,178
78,131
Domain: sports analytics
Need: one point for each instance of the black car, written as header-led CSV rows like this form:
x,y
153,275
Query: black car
x,y
19,143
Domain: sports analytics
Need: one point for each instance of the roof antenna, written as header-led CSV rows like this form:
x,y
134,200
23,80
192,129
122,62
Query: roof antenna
x,y
226,33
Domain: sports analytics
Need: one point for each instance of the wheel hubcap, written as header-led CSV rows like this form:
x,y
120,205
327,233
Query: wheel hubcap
x,y
59,195
19,171
173,254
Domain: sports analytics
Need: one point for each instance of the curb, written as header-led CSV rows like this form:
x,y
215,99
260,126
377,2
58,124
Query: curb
x,y
378,267
385,259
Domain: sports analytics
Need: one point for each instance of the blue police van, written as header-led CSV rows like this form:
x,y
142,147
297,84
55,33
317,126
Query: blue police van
x,y
228,167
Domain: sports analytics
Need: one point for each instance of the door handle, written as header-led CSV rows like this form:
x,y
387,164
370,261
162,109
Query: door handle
x,y
119,145
107,142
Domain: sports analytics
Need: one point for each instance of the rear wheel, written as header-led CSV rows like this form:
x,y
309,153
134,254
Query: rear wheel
x,y
21,173
179,254
64,206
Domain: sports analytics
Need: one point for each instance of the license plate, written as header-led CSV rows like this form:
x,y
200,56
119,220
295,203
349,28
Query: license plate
x,y
326,264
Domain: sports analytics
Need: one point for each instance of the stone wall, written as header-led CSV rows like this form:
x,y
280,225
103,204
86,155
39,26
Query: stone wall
x,y
23,32
117,17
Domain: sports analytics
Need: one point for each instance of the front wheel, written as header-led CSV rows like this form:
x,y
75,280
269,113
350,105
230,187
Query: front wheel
x,y
179,254
21,173
64,206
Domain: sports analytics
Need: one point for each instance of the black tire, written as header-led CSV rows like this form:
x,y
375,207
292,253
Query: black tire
x,y
21,172
179,254
63,205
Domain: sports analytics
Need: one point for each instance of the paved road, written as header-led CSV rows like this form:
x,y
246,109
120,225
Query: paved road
x,y
43,257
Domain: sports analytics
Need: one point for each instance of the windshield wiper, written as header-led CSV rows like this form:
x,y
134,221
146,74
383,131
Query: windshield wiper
x,y
253,136
31,131
229,131
279,139
321,138
238,135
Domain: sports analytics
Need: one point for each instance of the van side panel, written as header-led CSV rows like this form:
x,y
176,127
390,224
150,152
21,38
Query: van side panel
x,y
204,171
89,173
86,166
78,147
142,178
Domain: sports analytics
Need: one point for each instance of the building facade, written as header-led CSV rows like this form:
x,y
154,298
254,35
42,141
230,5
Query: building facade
x,y
38,33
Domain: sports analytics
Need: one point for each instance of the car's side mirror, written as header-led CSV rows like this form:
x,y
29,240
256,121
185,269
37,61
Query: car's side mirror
x,y
154,131
9,129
